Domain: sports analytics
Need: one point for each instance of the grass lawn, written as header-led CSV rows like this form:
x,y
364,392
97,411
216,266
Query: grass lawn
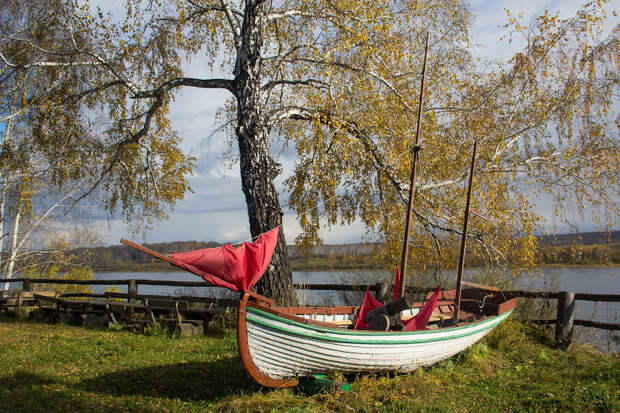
x,y
49,368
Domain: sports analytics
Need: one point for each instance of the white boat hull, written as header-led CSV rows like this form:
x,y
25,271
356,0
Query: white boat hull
x,y
286,350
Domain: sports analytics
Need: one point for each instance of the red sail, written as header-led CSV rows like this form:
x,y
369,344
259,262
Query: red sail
x,y
420,320
238,269
369,304
397,283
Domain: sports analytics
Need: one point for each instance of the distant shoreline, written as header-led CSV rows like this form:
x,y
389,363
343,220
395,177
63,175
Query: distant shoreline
x,y
563,250
174,269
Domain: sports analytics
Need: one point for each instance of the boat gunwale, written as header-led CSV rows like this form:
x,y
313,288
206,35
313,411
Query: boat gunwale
x,y
408,337
322,326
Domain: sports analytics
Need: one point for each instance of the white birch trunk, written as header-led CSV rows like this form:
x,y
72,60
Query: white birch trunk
x,y
258,169
10,264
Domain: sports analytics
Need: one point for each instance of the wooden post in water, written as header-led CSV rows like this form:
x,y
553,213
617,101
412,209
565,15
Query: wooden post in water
x,y
132,289
459,274
414,162
566,318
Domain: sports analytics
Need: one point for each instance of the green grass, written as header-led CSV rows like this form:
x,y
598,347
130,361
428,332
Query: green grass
x,y
51,368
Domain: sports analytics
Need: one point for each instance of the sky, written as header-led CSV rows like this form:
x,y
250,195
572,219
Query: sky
x,y
216,210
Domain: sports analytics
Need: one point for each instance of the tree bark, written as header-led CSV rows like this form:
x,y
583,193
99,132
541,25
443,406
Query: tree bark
x,y
258,169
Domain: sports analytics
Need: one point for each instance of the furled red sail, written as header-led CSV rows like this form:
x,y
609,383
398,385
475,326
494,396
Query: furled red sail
x,y
397,283
420,321
238,269
369,304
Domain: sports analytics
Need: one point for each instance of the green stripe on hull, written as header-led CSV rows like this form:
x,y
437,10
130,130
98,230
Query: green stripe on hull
x,y
409,337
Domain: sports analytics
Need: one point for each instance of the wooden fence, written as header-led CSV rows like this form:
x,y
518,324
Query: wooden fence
x,y
564,321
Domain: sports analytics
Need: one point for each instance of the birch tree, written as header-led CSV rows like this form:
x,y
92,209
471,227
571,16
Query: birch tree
x,y
39,186
33,209
42,226
337,81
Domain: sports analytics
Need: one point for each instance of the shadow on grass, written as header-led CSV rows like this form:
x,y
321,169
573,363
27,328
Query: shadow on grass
x,y
194,381
29,392
148,389
25,379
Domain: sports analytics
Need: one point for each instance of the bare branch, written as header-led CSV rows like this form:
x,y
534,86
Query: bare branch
x,y
96,89
48,64
186,81
233,21
304,82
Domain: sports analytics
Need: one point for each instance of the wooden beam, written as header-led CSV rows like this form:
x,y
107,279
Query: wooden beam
x,y
584,323
532,294
597,324
480,286
149,251
611,298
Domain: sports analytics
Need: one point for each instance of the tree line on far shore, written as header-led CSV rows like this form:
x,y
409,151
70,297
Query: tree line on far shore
x,y
572,249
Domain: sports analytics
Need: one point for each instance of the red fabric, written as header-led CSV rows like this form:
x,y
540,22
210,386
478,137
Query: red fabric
x,y
369,304
420,321
397,283
238,269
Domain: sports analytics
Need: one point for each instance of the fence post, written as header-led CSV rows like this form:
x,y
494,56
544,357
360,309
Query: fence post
x,y
26,285
566,318
132,289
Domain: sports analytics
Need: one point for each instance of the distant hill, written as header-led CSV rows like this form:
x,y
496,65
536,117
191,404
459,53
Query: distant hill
x,y
583,238
123,258
587,248
597,246
338,250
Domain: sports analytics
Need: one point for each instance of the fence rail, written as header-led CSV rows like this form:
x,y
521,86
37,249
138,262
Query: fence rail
x,y
565,309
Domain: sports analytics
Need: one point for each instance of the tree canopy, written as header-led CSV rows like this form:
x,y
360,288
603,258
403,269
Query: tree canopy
x,y
336,80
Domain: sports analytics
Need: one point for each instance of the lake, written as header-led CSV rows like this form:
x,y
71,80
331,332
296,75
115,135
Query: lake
x,y
602,280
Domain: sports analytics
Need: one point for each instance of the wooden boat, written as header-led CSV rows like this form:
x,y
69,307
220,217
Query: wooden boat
x,y
280,345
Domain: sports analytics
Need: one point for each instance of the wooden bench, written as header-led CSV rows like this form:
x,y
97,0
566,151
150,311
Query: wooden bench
x,y
178,312
20,298
188,320
90,312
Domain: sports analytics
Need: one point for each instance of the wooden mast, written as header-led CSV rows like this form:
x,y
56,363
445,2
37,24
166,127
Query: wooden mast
x,y
459,275
415,149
